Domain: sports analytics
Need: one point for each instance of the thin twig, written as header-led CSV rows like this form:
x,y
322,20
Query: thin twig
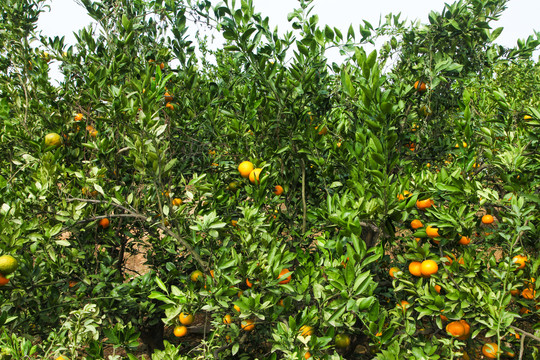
x,y
134,214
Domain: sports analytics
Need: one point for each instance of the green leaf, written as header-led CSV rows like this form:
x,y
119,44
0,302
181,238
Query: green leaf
x,y
346,83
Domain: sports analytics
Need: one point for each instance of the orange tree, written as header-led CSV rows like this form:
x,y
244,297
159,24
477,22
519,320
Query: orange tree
x,y
151,139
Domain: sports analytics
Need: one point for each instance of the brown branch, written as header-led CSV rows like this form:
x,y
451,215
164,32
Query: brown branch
x,y
304,205
134,214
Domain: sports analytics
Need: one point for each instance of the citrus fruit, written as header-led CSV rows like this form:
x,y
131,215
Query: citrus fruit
x,y
286,280
438,288
393,271
168,97
249,283
307,355
237,308
247,325
527,117
520,261
404,304
490,350
306,330
443,317
169,106
180,331
528,294
415,268
323,131
254,176
245,168
53,139
177,202
104,223
234,222
432,232
428,268
8,264
342,341
464,240
233,186
424,204
62,357
416,224
185,319
456,329
278,190
404,195
487,219
227,319
3,280
420,86
78,117
195,275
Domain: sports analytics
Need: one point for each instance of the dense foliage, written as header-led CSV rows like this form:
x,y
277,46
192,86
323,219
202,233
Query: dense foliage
x,y
395,215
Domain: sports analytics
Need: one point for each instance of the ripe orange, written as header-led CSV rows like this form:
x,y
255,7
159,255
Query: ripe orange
x,y
404,195
416,224
212,273
514,292
527,117
237,308
195,275
392,271
249,283
490,350
177,202
420,86
3,280
278,190
415,268
424,204
61,357
254,176
169,106
78,117
519,260
528,293
234,222
306,330
72,283
450,261
104,223
487,219
286,280
456,329
185,319
307,355
94,133
342,341
465,240
247,325
280,303
168,97
404,305
180,331
323,131
53,139
245,168
432,232
443,317
428,268
438,288
227,319
161,66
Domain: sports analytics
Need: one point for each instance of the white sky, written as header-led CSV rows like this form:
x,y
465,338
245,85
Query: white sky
x,y
519,20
